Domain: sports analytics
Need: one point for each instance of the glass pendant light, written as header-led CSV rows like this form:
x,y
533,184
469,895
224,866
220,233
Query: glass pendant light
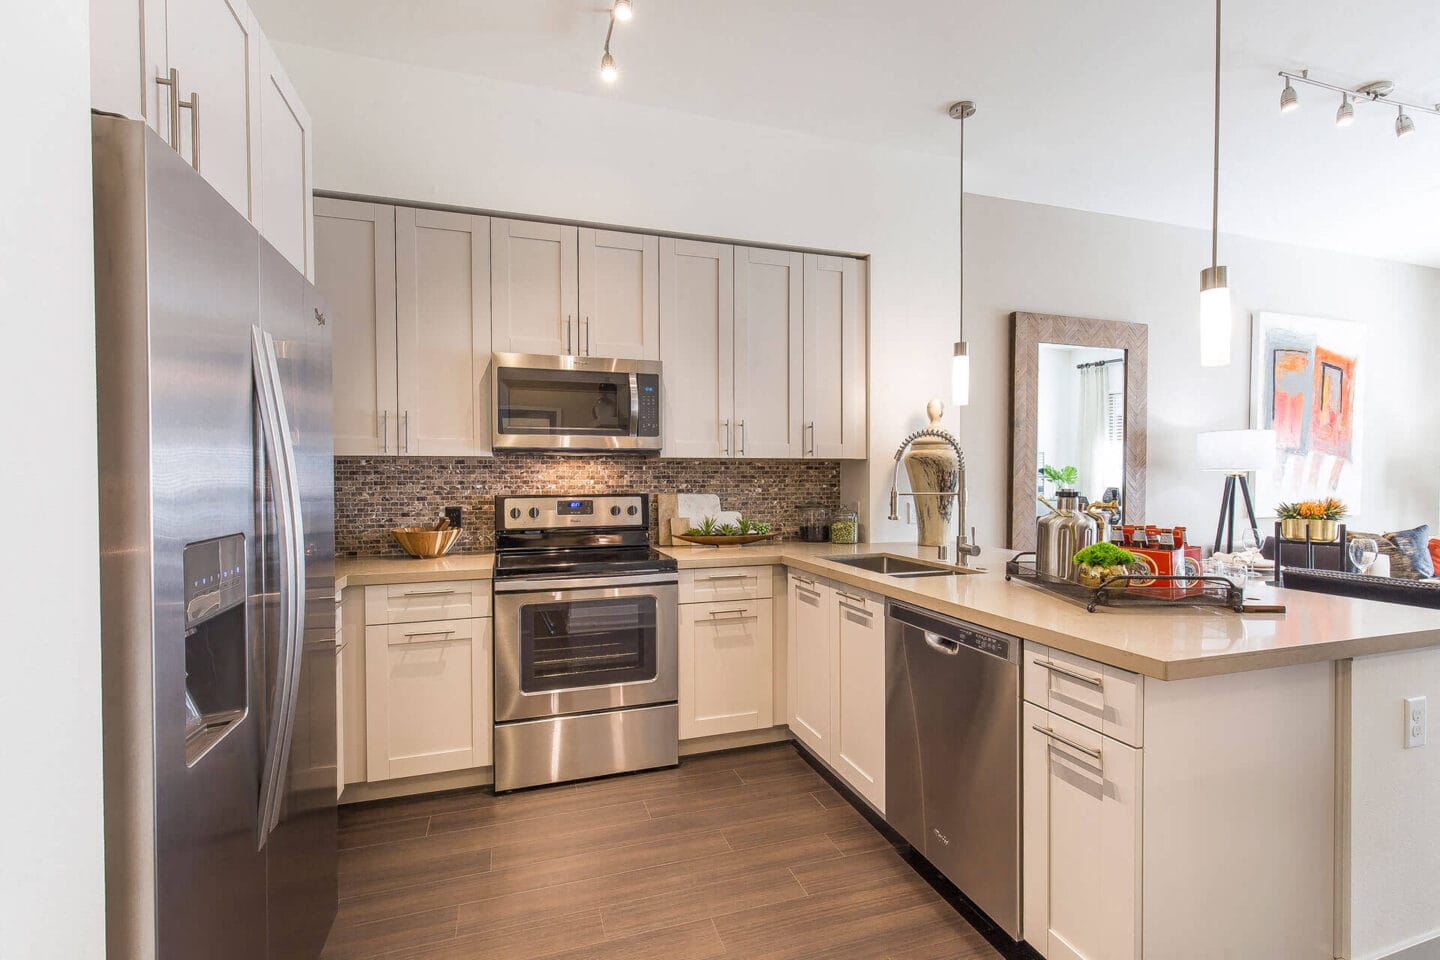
x,y
960,361
1216,315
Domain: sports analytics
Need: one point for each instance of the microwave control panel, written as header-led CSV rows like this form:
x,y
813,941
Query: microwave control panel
x,y
647,389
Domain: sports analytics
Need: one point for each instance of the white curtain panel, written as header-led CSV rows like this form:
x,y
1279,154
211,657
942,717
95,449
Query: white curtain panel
x,y
1093,442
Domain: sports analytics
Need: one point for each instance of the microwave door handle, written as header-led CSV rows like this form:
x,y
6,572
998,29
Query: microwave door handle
x,y
280,453
634,405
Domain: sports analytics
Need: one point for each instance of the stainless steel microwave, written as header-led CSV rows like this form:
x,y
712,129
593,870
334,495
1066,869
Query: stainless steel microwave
x,y
575,404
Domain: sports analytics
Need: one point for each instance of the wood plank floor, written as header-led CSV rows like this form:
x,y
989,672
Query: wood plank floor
x,y
748,854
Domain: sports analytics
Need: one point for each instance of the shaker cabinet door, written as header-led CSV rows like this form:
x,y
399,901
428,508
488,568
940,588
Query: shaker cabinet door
x,y
769,355
810,664
355,271
215,46
285,207
533,287
619,295
835,365
442,270
1081,843
858,698
697,331
726,671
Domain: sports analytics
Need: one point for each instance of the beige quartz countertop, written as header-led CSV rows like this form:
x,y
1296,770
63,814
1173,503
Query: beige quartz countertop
x,y
1167,644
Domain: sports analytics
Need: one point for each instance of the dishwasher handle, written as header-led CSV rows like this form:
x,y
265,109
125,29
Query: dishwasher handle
x,y
941,644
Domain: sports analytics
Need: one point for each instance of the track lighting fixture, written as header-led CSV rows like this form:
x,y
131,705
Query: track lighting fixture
x,y
1346,114
1404,126
621,11
1379,91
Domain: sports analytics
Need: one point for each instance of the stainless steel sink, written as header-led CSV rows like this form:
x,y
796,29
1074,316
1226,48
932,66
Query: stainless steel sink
x,y
899,566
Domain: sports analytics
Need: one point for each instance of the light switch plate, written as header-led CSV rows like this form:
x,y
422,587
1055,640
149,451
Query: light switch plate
x,y
1417,721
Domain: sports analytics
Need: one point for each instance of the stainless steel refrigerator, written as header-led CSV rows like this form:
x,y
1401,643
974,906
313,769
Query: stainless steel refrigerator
x,y
217,579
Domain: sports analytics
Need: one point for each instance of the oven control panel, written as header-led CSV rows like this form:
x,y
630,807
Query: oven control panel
x,y
558,513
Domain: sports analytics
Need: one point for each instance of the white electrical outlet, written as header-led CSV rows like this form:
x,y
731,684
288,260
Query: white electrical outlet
x,y
1417,721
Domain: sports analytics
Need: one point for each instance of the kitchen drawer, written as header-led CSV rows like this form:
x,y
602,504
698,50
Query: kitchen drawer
x,y
726,583
418,602
1100,697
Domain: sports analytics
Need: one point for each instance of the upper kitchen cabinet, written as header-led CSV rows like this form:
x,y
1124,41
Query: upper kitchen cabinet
x,y
619,311
533,279
835,391
697,313
769,360
355,270
442,275
201,74
286,212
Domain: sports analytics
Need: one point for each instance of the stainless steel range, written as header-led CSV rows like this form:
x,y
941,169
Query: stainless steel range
x,y
586,634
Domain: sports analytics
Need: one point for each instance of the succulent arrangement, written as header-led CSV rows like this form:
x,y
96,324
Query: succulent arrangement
x,y
743,528
1104,555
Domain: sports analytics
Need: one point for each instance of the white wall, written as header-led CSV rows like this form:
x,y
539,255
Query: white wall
x,y
52,868
1395,807
392,130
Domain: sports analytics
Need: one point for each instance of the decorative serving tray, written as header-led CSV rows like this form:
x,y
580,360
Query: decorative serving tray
x,y
735,541
1138,590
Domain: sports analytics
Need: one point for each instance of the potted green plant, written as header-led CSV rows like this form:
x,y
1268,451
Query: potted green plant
x,y
1102,561
1292,521
1062,477
1323,518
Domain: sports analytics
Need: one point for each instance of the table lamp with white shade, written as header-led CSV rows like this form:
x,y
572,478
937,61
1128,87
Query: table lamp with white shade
x,y
1235,453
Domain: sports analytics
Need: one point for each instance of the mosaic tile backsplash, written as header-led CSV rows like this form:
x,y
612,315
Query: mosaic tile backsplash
x,y
373,494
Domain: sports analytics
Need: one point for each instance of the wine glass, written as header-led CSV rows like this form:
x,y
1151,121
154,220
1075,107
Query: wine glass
x,y
1363,552
1250,542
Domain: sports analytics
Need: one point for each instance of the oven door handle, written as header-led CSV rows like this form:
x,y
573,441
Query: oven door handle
x,y
557,585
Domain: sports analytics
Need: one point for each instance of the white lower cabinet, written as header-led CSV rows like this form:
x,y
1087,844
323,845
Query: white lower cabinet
x,y
836,678
1082,833
726,667
427,697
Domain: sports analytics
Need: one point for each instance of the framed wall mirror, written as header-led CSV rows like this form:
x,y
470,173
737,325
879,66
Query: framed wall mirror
x,y
1077,416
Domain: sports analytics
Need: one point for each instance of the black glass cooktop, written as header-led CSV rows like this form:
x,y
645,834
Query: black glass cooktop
x,y
581,561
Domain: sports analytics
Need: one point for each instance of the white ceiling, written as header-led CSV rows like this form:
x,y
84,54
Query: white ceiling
x,y
1097,106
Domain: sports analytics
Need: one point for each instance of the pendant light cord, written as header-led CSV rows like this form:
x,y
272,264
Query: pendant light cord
x,y
1215,189
962,228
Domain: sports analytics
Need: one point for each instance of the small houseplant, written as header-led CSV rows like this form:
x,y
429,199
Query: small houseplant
x,y
1062,477
1102,561
1323,519
1292,521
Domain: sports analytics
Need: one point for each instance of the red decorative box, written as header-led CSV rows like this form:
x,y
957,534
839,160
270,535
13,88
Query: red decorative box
x,y
1181,562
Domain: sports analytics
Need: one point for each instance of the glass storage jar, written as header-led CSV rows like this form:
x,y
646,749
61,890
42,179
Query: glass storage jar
x,y
814,523
845,526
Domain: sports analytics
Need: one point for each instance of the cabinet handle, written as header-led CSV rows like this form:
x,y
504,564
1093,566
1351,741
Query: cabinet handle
x,y
588,351
193,105
810,428
384,431
852,599
173,82
741,614
426,633
405,422
1097,682
1095,755
726,425
428,593
803,582
569,345
740,433
732,576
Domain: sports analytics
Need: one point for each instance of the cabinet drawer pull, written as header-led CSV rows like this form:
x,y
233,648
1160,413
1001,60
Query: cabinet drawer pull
x,y
732,576
715,614
1097,682
430,633
428,593
1066,741
851,598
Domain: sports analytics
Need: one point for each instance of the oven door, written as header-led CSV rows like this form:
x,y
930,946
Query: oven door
x,y
577,648
575,403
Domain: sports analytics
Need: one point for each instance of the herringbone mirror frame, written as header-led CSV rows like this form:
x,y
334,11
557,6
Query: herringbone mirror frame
x,y
1029,330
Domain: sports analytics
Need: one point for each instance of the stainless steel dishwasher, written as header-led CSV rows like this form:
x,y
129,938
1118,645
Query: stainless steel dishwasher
x,y
952,753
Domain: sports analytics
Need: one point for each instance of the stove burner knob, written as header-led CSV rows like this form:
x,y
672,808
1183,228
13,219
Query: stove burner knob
x,y
534,513
514,513
632,510
614,511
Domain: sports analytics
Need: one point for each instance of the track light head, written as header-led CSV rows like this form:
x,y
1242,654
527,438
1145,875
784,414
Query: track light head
x,y
1289,99
1346,114
608,71
1404,126
622,10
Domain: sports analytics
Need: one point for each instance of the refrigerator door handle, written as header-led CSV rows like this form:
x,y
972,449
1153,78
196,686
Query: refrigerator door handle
x,y
285,480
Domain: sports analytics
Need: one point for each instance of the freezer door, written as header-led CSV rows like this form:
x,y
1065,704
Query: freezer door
x,y
201,268
301,846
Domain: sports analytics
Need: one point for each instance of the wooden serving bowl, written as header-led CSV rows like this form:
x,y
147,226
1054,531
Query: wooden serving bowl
x,y
427,543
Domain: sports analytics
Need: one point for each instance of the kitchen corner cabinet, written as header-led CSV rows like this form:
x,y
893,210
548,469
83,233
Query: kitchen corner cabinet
x,y
835,364
836,676
355,271
442,285
224,78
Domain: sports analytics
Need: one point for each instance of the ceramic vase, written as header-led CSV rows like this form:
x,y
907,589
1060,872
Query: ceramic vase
x,y
933,467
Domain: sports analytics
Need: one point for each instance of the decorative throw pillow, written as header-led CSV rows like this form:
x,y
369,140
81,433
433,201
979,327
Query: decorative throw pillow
x,y
1413,547
1399,565
1434,546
